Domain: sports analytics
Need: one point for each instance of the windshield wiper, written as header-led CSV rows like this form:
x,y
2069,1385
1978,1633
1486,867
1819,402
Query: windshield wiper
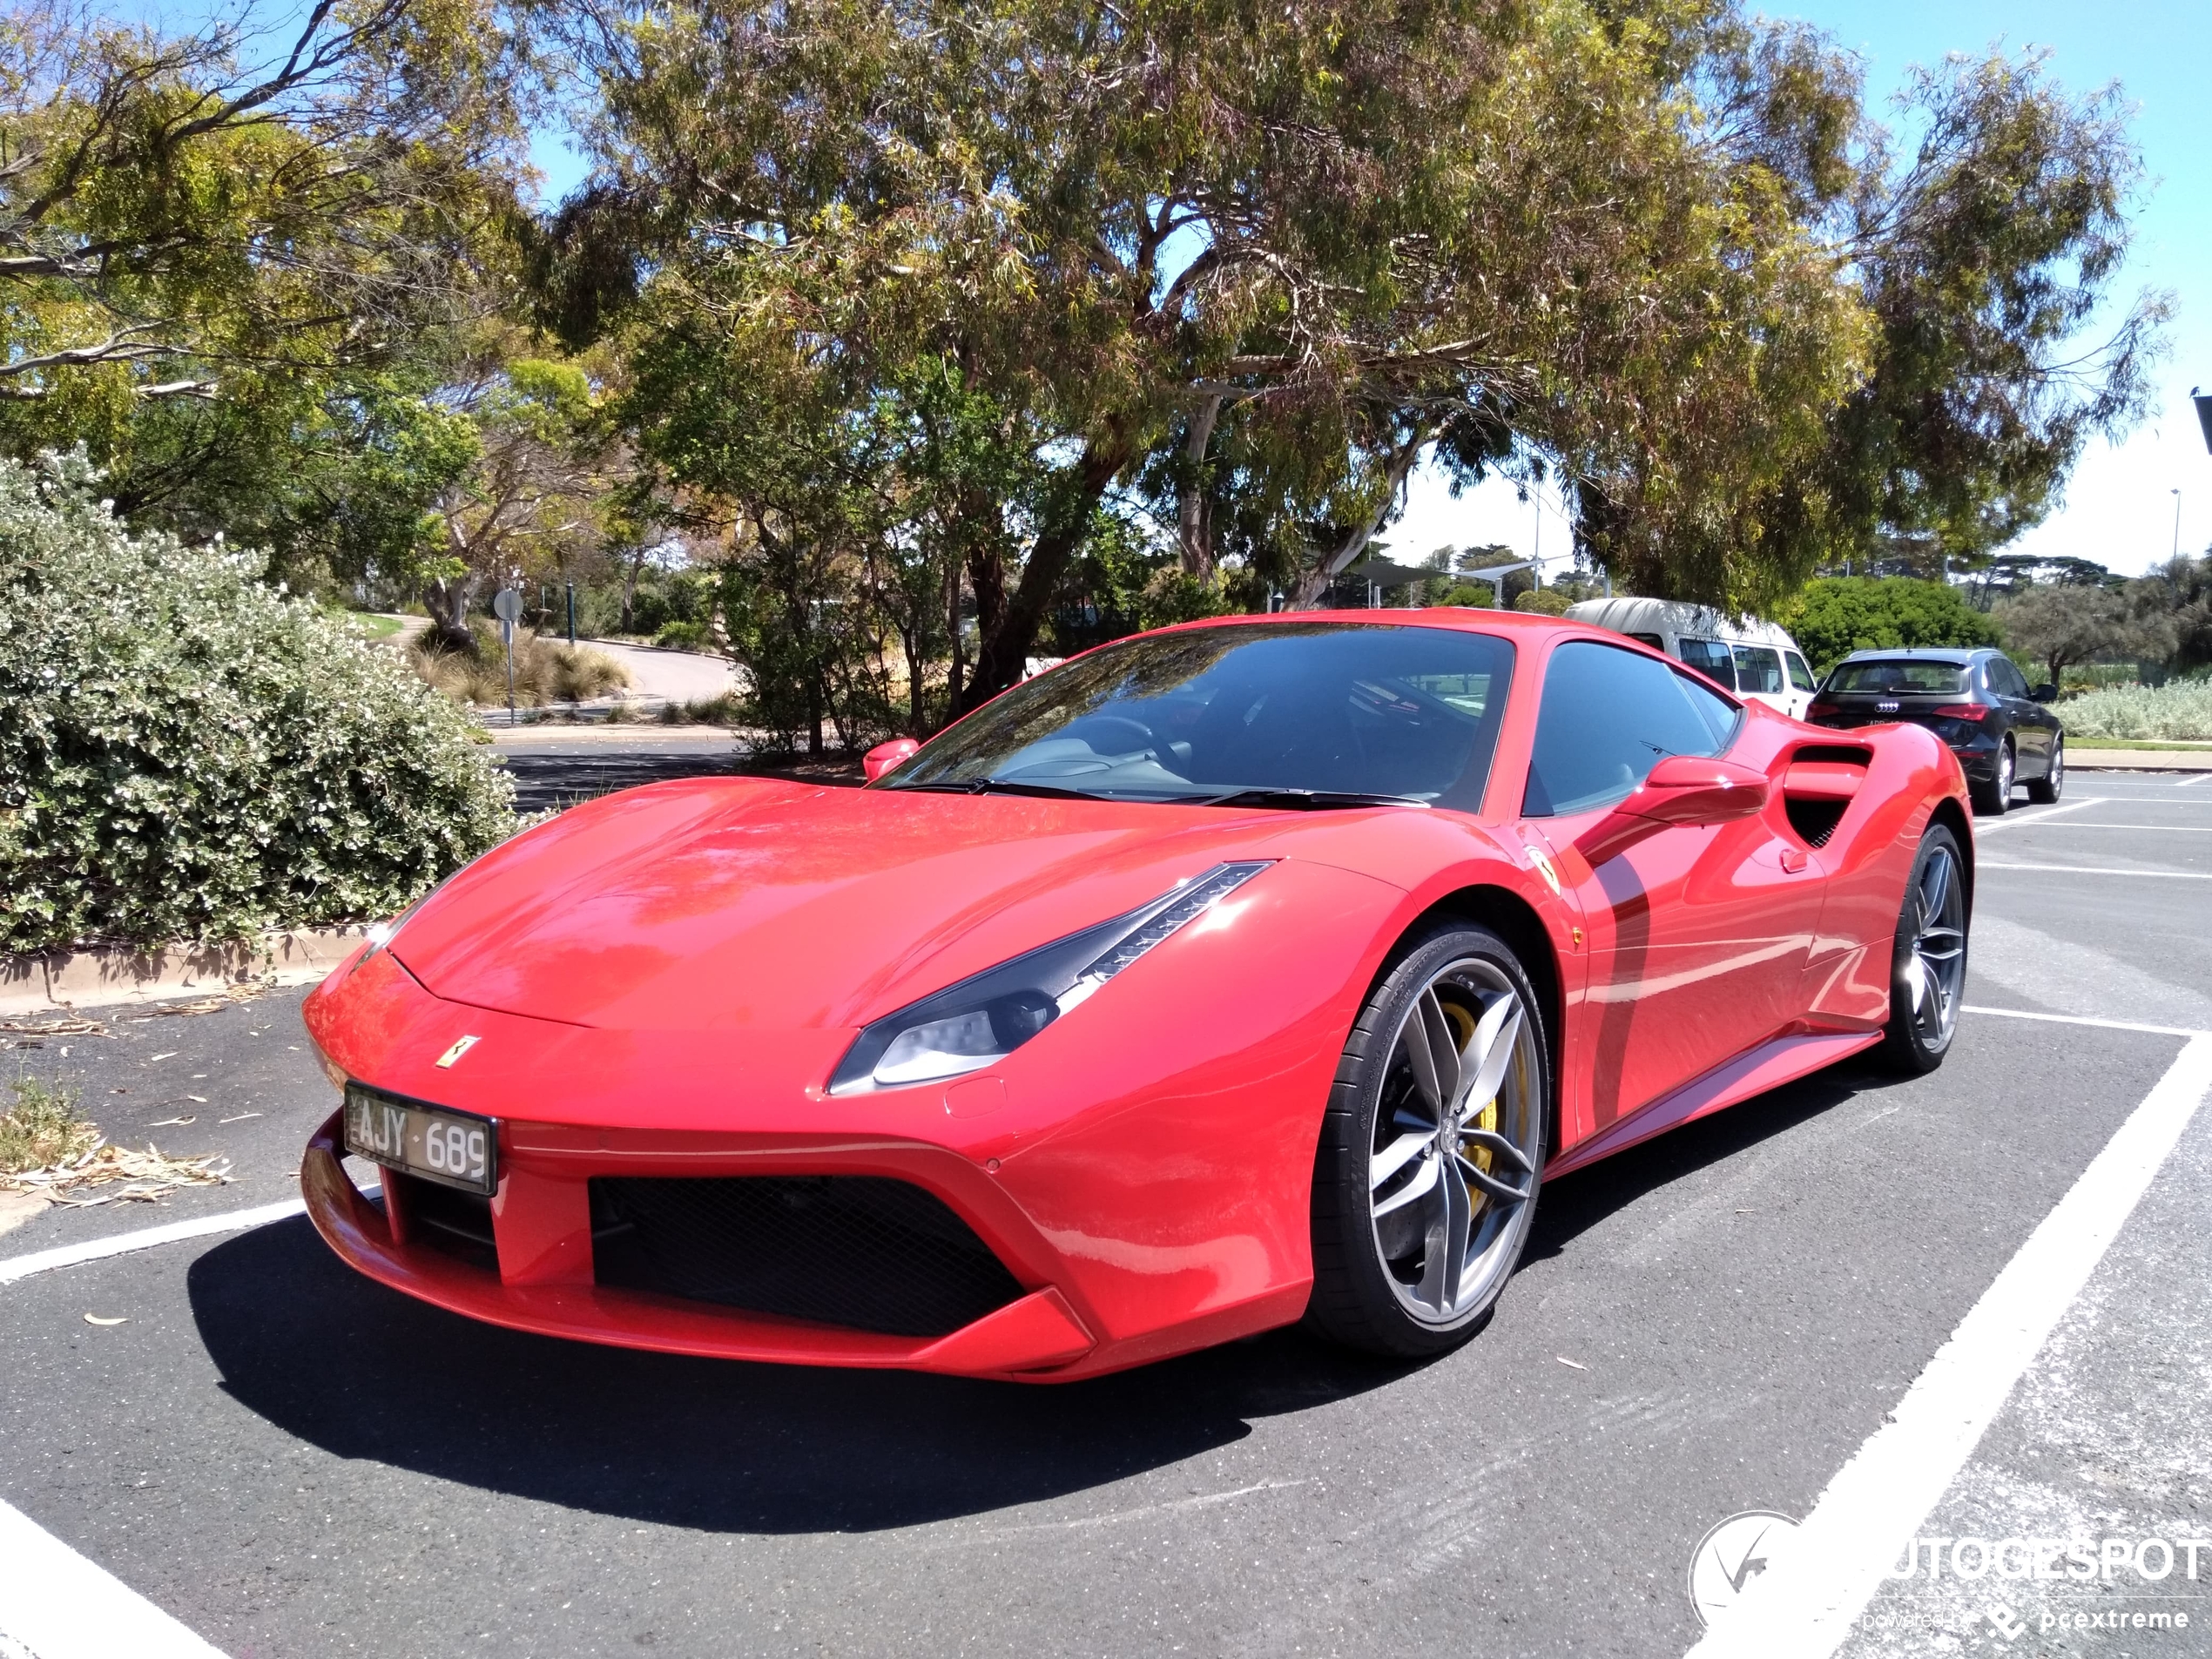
x,y
1303,800
1004,786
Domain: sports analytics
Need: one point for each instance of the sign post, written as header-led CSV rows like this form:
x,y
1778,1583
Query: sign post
x,y
507,605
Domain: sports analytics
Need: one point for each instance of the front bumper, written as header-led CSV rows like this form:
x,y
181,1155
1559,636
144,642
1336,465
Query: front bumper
x,y
543,1283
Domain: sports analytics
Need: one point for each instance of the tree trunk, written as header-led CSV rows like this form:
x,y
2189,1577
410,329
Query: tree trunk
x,y
1194,509
447,602
910,641
1005,650
1316,582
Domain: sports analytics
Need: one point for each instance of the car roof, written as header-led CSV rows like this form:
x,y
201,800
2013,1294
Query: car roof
x,y
1959,655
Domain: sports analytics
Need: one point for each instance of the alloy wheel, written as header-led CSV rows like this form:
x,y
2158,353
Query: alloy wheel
x,y
2004,784
1457,1142
1937,965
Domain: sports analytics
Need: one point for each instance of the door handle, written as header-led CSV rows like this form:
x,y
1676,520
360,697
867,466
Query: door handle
x,y
1793,862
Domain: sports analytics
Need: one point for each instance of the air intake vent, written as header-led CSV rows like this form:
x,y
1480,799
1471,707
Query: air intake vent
x,y
1814,820
863,1251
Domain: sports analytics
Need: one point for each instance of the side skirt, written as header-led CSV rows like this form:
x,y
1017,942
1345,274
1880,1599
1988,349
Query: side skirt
x,y
1775,1062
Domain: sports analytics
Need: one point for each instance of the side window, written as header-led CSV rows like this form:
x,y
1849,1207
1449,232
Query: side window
x,y
1655,641
1608,718
2007,679
1711,659
1758,668
1800,676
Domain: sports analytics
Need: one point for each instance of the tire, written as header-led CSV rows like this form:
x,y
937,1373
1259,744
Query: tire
x,y
1994,798
1928,958
1459,1177
2048,788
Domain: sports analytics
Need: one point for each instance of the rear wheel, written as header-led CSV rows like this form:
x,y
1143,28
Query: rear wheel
x,y
1993,798
2046,789
1928,959
1431,1148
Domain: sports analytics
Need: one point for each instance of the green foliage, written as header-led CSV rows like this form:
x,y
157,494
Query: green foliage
x,y
2180,711
1831,617
185,754
224,253
2056,627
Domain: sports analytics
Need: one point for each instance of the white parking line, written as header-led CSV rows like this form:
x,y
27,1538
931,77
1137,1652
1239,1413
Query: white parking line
x,y
2078,1019
1992,826
54,1604
1804,1605
92,1250
2091,869
2164,829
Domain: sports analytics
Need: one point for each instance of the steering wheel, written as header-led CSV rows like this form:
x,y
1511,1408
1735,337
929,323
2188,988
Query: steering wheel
x,y
1149,738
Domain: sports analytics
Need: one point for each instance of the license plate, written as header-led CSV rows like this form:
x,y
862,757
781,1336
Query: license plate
x,y
457,1149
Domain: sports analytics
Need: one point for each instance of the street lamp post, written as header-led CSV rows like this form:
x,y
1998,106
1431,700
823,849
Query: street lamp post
x,y
2177,524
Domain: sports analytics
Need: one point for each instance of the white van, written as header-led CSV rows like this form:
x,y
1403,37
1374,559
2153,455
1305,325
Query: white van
x,y
1755,659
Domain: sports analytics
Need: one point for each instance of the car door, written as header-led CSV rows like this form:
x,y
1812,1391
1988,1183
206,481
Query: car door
x,y
1759,676
1700,934
1802,684
2030,726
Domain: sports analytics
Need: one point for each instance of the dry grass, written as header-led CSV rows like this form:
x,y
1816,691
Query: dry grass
x,y
47,1150
545,670
42,1128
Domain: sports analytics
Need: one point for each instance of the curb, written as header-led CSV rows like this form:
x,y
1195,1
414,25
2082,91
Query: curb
x,y
105,974
2137,759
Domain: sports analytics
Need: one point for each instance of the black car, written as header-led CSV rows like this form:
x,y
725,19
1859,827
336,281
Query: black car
x,y
1976,701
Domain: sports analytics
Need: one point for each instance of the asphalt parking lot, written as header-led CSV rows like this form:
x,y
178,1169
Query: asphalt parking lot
x,y
289,1459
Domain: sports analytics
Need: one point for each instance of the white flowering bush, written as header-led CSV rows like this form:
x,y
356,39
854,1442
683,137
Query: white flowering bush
x,y
186,755
2178,710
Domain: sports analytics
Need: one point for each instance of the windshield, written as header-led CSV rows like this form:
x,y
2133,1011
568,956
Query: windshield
x,y
1348,709
1899,675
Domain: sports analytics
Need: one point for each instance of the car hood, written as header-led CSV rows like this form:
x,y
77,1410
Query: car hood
x,y
746,902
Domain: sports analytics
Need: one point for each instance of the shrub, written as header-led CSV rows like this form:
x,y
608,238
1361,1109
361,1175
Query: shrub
x,y
1834,616
683,636
2179,711
186,754
545,670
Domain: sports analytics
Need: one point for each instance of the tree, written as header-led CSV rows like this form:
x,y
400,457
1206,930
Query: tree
x,y
1831,617
1982,255
2179,594
217,270
2060,627
541,461
1270,255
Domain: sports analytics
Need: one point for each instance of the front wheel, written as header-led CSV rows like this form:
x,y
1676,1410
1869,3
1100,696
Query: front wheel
x,y
1928,957
2047,789
1431,1148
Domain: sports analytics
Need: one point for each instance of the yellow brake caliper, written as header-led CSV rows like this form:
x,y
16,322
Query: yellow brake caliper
x,y
1463,1025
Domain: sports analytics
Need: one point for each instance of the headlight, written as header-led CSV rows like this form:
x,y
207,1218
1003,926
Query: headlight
x,y
967,1026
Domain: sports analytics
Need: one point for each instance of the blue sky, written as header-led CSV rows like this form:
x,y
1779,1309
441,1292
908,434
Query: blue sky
x,y
2118,509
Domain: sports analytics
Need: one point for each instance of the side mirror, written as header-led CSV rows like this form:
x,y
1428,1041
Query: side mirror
x,y
885,756
1681,790
2046,693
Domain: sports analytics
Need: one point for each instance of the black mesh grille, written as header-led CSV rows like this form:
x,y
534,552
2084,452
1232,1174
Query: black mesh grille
x,y
863,1251
1815,820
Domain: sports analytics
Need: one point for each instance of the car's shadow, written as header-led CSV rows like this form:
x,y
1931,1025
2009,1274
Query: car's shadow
x,y
1575,1203
362,1372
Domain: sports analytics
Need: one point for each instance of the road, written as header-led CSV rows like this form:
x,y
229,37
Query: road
x,y
290,1460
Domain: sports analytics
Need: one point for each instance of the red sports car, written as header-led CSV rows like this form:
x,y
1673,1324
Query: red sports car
x,y
1228,975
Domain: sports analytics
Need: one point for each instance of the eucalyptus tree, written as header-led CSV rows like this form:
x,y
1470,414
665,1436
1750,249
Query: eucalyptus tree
x,y
1298,245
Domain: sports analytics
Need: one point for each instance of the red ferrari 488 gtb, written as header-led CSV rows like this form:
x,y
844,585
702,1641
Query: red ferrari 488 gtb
x,y
1237,973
